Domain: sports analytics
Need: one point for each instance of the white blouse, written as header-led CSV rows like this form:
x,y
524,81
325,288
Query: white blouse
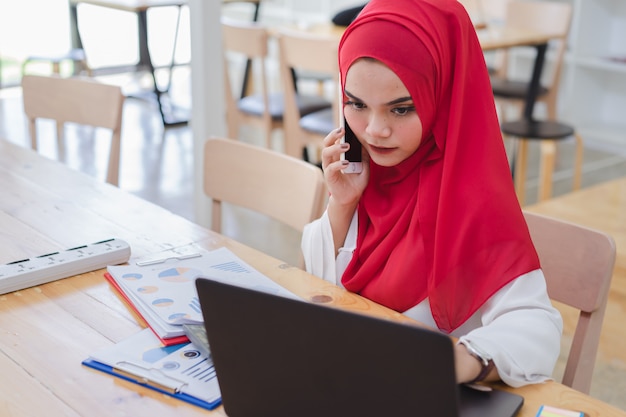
x,y
517,326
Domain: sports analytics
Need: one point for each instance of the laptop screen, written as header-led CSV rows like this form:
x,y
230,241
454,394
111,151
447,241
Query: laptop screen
x,y
282,357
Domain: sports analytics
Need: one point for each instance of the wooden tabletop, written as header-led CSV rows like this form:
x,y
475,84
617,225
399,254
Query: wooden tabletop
x,y
493,37
143,5
130,5
490,37
46,331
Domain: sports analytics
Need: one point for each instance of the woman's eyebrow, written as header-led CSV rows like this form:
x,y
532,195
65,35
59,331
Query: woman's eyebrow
x,y
352,96
399,100
391,103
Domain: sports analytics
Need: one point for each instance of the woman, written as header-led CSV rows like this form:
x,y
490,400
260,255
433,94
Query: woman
x,y
431,227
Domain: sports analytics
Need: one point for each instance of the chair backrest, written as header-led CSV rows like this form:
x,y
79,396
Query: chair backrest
x,y
248,40
307,52
284,188
83,101
578,265
552,17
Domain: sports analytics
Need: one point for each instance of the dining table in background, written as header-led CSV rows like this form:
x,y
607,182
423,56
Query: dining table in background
x,y
491,37
170,115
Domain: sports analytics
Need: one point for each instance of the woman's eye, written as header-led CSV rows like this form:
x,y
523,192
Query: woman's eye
x,y
355,105
401,111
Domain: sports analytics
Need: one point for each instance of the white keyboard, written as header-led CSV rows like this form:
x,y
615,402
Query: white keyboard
x,y
53,266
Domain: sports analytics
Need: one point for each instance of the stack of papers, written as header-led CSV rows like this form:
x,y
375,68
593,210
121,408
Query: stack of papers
x,y
162,289
181,371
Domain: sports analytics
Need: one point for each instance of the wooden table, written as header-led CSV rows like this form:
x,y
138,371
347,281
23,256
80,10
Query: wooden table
x,y
491,38
140,8
46,331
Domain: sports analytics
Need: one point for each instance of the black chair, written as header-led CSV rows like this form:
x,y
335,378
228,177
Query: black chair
x,y
545,17
259,108
553,18
346,16
307,52
548,133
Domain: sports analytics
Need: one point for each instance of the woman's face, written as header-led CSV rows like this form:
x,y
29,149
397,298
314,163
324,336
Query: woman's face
x,y
381,112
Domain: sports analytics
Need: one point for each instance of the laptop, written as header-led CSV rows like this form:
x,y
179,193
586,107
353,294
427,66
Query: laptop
x,y
276,356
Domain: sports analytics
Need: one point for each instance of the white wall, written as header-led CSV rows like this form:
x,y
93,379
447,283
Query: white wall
x,y
207,97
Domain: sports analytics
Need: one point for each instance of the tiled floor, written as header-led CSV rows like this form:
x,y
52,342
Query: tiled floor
x,y
157,165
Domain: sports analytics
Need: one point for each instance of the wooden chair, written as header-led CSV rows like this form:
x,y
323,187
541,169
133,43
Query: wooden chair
x,y
578,266
276,185
546,17
309,53
75,100
547,133
262,109
554,18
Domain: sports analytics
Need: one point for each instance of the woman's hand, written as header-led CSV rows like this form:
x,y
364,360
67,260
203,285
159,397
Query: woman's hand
x,y
345,189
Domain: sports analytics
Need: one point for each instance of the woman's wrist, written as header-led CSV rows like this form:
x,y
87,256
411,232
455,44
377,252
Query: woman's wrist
x,y
467,366
340,217
473,364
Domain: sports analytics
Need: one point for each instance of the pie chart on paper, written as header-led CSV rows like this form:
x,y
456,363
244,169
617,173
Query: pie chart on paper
x,y
178,274
163,302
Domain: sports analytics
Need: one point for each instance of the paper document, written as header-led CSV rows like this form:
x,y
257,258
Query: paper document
x,y
162,287
181,371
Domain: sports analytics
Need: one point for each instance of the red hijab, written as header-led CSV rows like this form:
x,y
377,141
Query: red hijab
x,y
445,224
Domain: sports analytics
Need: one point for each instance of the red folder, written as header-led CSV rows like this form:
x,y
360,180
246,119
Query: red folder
x,y
166,341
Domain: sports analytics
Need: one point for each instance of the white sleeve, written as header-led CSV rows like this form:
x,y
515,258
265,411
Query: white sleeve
x,y
521,330
318,249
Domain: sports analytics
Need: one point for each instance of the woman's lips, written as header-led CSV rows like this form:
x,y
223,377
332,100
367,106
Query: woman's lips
x,y
380,150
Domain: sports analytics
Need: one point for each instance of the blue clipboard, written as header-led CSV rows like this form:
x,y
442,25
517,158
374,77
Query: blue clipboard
x,y
180,371
151,385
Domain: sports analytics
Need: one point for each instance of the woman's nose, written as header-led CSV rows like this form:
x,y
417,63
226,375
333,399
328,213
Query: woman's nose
x,y
378,127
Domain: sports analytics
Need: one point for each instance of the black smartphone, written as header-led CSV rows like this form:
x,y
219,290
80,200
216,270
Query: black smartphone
x,y
353,155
